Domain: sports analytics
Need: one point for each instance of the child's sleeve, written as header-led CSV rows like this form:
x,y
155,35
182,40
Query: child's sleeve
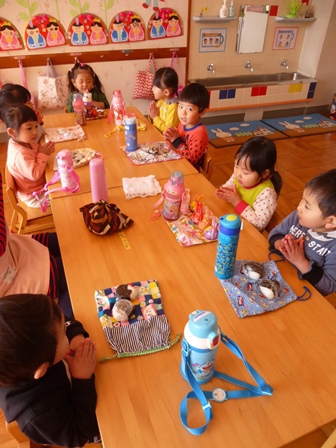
x,y
170,119
32,166
3,232
102,98
194,145
323,278
279,232
262,210
230,182
69,103
74,328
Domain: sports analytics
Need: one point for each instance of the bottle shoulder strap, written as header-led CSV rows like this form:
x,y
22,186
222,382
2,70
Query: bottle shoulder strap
x,y
43,200
218,394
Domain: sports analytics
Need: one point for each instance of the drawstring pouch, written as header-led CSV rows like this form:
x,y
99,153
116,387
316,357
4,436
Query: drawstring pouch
x,y
219,395
69,179
145,331
247,297
102,218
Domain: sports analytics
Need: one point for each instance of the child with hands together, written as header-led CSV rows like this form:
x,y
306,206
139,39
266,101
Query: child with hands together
x,y
307,237
163,111
255,184
46,372
26,159
190,139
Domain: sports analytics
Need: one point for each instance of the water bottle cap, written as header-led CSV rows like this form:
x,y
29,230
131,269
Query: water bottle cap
x,y
177,177
130,118
96,161
229,224
202,323
64,158
77,97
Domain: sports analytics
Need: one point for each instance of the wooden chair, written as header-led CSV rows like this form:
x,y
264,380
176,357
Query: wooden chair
x,y
207,165
24,442
26,220
331,441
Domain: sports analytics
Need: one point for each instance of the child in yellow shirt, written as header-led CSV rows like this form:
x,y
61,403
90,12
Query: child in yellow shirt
x,y
163,111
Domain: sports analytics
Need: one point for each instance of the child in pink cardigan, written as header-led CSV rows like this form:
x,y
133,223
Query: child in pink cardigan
x,y
26,159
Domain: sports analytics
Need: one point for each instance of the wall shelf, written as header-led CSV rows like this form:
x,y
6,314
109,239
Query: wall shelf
x,y
299,19
207,19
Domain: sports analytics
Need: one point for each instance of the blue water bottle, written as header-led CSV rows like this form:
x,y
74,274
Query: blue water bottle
x,y
229,228
131,132
199,345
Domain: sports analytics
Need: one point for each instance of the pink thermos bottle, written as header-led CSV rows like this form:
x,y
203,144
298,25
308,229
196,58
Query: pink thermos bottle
x,y
98,180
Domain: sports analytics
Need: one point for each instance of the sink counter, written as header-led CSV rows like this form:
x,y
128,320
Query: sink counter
x,y
213,83
258,90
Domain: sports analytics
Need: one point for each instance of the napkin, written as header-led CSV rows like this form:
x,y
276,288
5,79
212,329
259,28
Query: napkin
x,y
141,186
64,134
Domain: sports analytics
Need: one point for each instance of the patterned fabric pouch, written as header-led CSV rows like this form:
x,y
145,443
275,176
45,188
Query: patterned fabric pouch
x,y
146,331
102,218
246,297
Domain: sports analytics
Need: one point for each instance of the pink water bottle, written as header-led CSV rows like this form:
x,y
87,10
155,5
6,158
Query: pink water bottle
x,y
98,180
65,168
79,109
173,192
118,108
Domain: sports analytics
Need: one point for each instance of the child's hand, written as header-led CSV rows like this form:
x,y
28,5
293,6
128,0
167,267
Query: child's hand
x,y
98,104
47,148
83,360
75,341
292,249
153,110
171,134
228,194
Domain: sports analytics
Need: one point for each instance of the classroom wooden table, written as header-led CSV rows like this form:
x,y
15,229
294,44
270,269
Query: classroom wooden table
x,y
139,397
117,164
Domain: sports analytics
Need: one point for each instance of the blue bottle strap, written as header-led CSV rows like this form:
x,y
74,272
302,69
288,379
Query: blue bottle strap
x,y
218,394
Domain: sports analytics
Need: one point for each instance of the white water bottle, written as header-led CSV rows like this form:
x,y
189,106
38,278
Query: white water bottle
x,y
199,345
98,180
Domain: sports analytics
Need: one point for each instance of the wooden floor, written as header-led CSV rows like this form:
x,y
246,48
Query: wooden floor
x,y
299,159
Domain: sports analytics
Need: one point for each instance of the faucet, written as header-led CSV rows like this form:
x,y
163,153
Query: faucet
x,y
211,68
284,63
249,65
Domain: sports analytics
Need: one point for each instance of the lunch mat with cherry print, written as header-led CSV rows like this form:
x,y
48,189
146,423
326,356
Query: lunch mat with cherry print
x,y
237,133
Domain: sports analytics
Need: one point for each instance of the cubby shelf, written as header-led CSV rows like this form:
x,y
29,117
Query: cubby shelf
x,y
208,19
299,19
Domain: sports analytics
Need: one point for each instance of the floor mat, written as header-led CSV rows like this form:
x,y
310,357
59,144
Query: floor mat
x,y
302,125
228,134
